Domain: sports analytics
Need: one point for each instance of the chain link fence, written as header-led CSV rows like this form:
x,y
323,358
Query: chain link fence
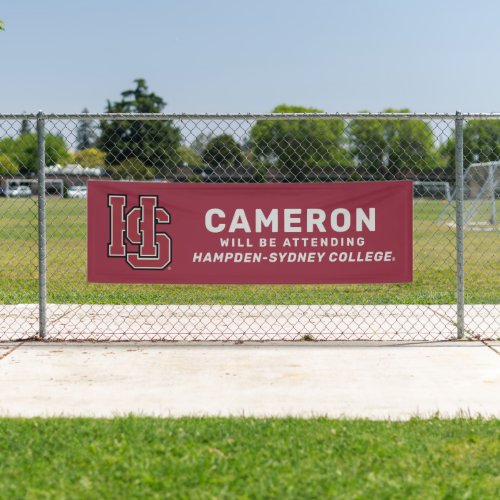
x,y
46,161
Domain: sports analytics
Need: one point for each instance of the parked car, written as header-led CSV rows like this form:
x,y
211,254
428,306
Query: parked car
x,y
77,192
19,191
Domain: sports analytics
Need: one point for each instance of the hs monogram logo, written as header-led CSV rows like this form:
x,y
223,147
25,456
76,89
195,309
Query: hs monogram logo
x,y
143,227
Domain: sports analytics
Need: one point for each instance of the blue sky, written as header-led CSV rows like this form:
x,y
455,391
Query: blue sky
x,y
248,56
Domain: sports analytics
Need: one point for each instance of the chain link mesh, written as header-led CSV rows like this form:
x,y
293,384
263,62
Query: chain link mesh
x,y
245,149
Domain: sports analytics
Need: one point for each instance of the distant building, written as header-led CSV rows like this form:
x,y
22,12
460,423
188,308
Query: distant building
x,y
74,174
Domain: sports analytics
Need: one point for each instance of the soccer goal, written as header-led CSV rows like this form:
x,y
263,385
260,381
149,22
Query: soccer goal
x,y
481,197
435,190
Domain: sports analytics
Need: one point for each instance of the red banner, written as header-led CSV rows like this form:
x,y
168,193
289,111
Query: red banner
x,y
149,232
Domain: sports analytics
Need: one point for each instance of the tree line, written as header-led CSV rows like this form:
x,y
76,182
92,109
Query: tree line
x,y
296,150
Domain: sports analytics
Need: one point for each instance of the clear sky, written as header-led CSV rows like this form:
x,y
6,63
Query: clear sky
x,y
248,56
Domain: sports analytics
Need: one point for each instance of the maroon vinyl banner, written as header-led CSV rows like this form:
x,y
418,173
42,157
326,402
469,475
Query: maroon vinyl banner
x,y
151,232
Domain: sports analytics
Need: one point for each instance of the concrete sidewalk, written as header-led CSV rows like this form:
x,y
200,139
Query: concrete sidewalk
x,y
394,381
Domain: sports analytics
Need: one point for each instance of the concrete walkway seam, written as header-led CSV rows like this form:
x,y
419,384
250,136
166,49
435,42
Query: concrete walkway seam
x,y
492,347
10,351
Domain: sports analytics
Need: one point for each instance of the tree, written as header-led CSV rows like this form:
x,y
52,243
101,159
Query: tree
x,y
223,152
2,26
200,142
297,147
189,157
23,150
91,157
86,134
25,127
131,169
369,144
153,143
7,165
392,149
481,143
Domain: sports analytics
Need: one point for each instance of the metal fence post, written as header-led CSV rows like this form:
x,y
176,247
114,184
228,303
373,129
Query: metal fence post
x,y
459,199
42,229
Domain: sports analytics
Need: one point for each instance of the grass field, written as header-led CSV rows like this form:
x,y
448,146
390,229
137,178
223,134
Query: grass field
x,y
249,458
434,266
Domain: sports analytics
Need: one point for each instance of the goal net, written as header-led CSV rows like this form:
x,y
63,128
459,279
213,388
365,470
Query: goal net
x,y
435,190
481,197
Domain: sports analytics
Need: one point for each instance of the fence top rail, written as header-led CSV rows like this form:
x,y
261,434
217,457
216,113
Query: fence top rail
x,y
248,116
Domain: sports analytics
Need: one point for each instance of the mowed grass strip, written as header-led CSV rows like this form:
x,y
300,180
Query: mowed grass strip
x,y
249,458
434,266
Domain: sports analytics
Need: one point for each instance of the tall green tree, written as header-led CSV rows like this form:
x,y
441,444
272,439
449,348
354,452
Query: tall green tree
x,y
23,150
481,143
86,134
90,157
153,143
200,142
369,145
8,166
393,149
297,147
131,169
189,157
25,127
223,152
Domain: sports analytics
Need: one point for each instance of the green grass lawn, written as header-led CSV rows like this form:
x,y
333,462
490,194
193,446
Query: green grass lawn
x,y
434,267
249,458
